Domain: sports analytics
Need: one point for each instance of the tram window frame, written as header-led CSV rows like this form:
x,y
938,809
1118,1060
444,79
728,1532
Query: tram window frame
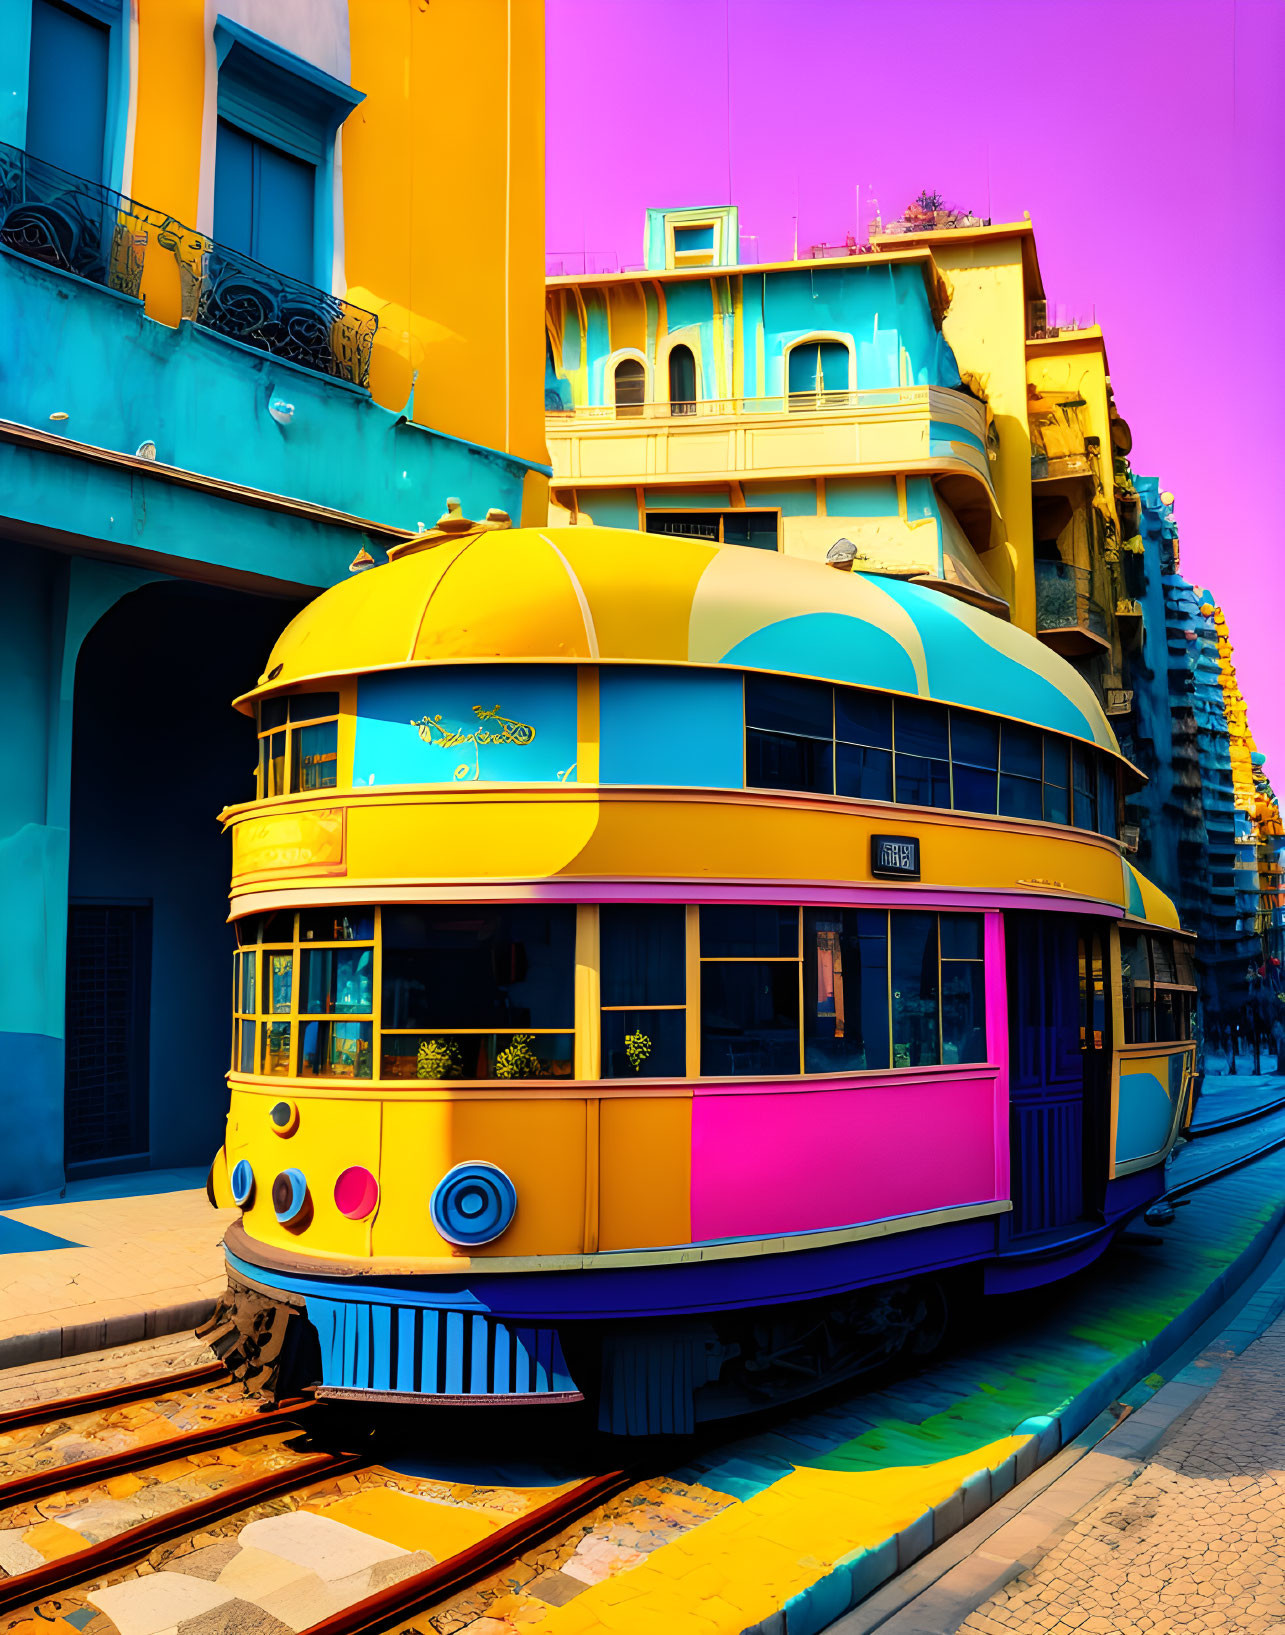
x,y
1172,999
288,1039
651,998
283,724
713,952
501,1048
861,744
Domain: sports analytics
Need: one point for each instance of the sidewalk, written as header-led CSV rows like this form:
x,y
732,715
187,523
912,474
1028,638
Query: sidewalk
x,y
112,1261
1193,1540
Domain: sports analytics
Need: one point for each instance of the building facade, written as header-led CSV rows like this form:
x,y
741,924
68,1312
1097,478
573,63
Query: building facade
x,y
907,408
244,353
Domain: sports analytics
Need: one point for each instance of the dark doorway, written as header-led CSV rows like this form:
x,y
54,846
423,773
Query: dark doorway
x,y
682,380
109,956
157,753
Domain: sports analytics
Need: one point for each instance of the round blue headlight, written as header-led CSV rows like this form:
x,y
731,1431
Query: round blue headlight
x,y
242,1183
289,1195
473,1203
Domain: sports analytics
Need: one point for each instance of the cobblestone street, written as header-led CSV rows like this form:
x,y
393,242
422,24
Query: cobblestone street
x,y
1195,1542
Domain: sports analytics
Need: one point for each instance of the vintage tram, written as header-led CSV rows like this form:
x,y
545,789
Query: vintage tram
x,y
669,974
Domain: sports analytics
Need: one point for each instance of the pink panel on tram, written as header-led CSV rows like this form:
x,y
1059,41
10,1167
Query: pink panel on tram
x,y
767,1160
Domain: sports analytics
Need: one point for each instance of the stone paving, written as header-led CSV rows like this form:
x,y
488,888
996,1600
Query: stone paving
x,y
1194,1542
97,1258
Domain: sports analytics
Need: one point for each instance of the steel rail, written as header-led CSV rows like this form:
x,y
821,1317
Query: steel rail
x,y
97,1559
113,1396
479,1561
37,1484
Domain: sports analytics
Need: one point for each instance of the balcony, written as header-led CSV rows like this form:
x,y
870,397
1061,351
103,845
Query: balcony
x,y
65,222
809,434
1067,616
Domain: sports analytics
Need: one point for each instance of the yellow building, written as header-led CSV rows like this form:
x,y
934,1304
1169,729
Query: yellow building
x,y
272,278
910,407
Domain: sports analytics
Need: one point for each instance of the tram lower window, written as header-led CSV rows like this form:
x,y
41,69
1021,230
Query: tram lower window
x,y
335,1050
476,992
749,1016
845,990
425,1055
479,967
1158,988
643,990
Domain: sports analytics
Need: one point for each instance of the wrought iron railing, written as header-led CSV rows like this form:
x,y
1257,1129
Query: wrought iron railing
x,y
1064,599
51,216
64,221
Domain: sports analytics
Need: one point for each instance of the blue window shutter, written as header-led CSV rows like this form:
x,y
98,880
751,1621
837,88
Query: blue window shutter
x,y
67,89
234,189
284,205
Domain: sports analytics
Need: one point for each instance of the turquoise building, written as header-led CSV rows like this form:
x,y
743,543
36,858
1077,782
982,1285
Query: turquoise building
x,y
197,434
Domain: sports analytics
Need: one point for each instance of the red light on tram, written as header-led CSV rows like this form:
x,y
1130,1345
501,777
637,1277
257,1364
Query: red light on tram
x,y
356,1193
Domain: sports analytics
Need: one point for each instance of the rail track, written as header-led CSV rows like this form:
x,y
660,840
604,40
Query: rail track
x,y
330,1446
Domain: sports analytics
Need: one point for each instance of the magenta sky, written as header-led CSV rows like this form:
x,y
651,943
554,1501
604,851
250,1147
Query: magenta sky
x,y
1145,137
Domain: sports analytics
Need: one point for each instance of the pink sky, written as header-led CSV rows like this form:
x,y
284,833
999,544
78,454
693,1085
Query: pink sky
x,y
1145,137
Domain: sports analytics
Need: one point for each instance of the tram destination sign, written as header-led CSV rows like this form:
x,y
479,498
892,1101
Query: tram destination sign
x,y
894,857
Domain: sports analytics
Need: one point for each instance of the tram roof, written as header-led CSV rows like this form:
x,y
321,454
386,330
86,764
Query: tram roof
x,y
613,595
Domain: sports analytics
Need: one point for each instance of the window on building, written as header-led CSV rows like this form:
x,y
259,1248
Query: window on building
x,y
760,530
643,989
818,374
298,743
474,992
682,380
67,88
630,384
264,202
694,245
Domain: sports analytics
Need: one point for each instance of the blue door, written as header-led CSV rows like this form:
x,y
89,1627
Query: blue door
x,y
264,202
67,89
1046,1072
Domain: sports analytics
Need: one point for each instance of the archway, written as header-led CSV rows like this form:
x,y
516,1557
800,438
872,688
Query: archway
x,y
157,752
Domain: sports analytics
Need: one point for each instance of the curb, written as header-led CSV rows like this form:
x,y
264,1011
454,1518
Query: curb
x,y
858,1575
48,1344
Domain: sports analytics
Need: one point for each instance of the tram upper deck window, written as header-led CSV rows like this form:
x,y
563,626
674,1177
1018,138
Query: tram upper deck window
x,y
298,743
831,740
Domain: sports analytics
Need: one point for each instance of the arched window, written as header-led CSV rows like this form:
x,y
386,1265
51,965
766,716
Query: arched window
x,y
682,380
818,370
631,388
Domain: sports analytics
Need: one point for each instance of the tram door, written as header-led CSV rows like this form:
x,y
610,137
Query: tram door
x,y
1094,961
1046,1072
